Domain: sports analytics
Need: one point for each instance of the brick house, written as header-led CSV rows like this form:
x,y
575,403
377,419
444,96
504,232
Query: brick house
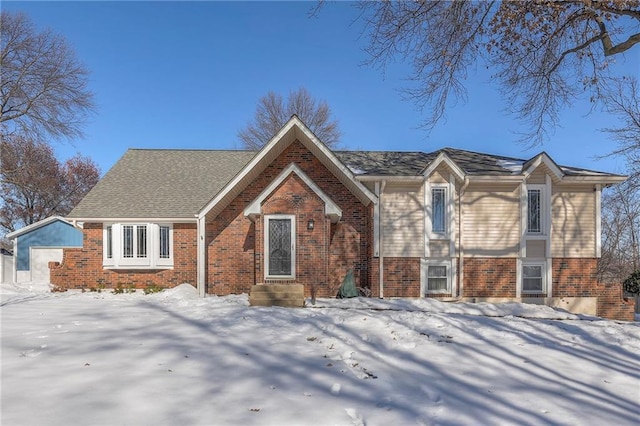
x,y
450,224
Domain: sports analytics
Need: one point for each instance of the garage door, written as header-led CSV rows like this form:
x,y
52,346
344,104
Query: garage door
x,y
40,258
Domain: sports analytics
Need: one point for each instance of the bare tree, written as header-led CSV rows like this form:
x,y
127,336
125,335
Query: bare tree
x,y
43,87
621,204
35,185
545,53
272,113
620,232
623,101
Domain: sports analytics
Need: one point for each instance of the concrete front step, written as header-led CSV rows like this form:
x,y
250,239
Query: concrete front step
x,y
287,295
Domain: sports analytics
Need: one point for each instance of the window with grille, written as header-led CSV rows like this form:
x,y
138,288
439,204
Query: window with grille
x,y
534,210
439,210
137,245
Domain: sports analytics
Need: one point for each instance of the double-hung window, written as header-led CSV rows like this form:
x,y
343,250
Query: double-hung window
x,y
533,278
437,281
436,276
138,245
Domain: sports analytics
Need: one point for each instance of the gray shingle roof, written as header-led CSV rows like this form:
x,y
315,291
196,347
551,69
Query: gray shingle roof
x,y
398,163
381,163
155,183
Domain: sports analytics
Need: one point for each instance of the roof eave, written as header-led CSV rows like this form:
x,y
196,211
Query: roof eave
x,y
132,219
35,226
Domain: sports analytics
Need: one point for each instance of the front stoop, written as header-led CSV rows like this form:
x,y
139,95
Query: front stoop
x,y
286,295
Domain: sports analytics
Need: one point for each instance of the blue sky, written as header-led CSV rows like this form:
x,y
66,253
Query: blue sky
x,y
189,74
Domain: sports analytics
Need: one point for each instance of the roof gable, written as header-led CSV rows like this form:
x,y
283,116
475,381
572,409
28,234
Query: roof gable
x,y
330,208
444,158
293,130
542,159
36,225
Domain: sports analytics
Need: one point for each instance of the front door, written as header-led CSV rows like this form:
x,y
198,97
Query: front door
x,y
280,246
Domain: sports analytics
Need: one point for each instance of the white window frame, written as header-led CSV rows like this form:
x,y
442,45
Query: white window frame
x,y
163,261
543,275
135,258
448,212
424,276
544,216
108,243
152,260
292,219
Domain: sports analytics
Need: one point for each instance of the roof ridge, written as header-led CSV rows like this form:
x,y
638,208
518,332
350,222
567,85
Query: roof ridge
x,y
485,153
193,149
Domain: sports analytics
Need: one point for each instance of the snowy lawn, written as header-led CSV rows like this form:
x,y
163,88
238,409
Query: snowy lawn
x,y
175,359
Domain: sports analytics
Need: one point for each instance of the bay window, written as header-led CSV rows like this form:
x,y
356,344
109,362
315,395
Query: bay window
x,y
137,245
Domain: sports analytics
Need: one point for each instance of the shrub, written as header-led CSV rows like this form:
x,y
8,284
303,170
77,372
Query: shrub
x,y
150,289
632,284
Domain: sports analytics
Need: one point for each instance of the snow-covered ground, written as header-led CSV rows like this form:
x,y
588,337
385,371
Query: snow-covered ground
x,y
175,359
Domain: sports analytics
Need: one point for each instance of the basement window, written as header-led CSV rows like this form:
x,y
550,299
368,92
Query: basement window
x,y
533,278
435,277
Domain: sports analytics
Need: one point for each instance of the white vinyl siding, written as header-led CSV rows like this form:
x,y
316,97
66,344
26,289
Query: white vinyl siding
x,y
403,221
573,221
491,220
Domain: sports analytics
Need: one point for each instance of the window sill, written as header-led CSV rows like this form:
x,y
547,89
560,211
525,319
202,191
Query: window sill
x,y
138,267
536,236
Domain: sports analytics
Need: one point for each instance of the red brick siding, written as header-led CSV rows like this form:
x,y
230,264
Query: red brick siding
x,y
612,305
401,277
235,258
489,277
82,267
574,277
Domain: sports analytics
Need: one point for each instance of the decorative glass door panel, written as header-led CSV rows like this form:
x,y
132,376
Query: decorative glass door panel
x,y
279,246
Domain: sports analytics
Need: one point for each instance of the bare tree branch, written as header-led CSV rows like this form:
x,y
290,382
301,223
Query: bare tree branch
x,y
546,53
44,87
272,113
35,185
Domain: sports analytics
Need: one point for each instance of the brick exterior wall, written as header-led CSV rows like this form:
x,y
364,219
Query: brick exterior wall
x,y
82,267
489,277
574,277
235,243
612,304
401,277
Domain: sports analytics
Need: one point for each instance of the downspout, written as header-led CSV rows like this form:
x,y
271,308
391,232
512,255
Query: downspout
x,y
460,247
15,260
201,259
380,238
